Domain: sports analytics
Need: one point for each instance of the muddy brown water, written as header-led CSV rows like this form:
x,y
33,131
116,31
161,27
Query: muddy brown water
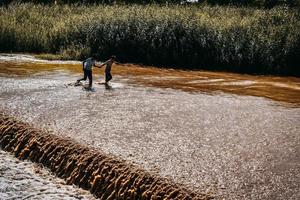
x,y
235,136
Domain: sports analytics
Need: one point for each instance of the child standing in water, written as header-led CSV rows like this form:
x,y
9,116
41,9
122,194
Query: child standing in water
x,y
87,70
108,64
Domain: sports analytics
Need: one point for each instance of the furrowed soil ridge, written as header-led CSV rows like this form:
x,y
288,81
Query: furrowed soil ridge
x,y
104,176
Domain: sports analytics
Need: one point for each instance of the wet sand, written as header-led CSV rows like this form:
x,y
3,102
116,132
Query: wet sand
x,y
25,180
211,139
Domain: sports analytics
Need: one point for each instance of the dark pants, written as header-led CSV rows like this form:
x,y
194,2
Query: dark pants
x,y
87,74
108,77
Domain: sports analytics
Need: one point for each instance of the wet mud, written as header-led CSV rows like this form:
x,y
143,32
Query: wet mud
x,y
104,176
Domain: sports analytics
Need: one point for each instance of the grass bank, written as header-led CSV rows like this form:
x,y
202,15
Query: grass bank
x,y
214,38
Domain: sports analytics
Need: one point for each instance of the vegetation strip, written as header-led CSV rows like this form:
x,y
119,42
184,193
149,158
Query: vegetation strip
x,y
106,177
200,37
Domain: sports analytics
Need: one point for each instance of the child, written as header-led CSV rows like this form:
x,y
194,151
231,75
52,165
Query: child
x,y
87,70
108,64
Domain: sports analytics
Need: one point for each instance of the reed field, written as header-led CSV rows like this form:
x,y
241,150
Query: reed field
x,y
238,39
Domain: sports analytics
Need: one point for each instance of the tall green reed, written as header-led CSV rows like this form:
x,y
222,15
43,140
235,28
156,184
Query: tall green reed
x,y
222,38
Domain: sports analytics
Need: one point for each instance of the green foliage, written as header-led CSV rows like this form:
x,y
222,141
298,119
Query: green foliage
x,y
249,3
222,38
95,1
255,3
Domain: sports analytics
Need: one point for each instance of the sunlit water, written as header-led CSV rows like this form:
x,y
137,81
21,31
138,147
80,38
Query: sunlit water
x,y
25,180
213,140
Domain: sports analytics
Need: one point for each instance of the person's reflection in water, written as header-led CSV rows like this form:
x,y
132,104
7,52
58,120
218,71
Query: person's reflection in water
x,y
108,87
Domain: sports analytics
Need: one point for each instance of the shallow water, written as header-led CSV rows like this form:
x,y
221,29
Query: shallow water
x,y
204,136
283,89
25,180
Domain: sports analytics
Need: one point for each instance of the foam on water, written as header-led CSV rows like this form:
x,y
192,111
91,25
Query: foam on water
x,y
25,180
20,58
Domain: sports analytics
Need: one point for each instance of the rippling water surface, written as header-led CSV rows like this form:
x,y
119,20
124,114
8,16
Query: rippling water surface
x,y
25,180
215,132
